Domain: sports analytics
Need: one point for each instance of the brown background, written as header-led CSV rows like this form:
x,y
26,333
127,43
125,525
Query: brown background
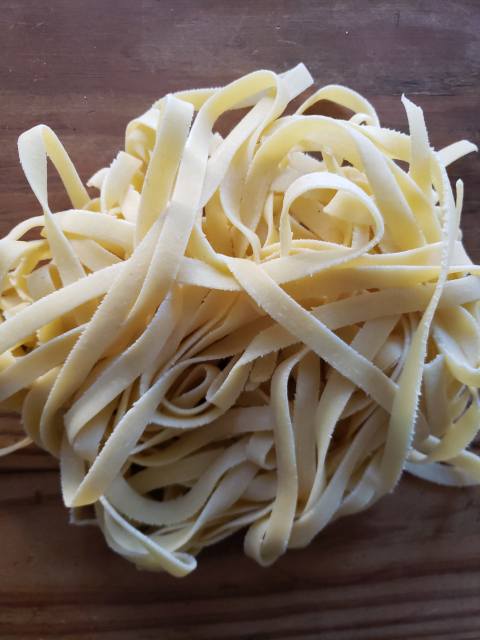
x,y
409,568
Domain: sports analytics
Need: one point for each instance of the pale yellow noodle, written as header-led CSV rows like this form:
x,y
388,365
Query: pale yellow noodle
x,y
234,333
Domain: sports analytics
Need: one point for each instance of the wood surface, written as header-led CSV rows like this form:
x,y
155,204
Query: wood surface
x,y
410,567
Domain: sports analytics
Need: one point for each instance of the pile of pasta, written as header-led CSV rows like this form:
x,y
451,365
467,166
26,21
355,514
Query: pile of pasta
x,y
259,330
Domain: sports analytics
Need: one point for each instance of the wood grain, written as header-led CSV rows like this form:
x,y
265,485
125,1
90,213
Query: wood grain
x,y
410,567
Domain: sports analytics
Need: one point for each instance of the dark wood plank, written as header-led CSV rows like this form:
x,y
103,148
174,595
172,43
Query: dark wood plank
x,y
407,569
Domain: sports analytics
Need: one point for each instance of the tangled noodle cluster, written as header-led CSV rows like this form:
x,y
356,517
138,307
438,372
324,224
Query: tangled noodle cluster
x,y
260,331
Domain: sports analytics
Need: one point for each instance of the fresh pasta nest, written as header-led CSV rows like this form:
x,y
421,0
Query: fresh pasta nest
x,y
254,331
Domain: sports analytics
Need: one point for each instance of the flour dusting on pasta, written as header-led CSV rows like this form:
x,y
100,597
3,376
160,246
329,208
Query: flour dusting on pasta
x,y
255,331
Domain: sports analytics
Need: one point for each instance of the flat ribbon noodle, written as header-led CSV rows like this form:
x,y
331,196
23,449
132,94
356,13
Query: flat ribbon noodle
x,y
236,333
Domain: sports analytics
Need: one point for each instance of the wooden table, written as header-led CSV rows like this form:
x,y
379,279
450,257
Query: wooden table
x,y
409,568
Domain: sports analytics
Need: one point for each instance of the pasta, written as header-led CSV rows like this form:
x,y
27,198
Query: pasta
x,y
259,330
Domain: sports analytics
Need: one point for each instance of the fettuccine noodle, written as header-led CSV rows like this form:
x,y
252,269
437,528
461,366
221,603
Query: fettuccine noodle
x,y
258,331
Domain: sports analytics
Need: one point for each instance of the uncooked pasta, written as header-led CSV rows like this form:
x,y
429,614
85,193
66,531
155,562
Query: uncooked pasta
x,y
256,329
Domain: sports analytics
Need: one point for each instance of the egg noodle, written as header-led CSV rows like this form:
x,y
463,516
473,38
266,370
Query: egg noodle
x,y
254,331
